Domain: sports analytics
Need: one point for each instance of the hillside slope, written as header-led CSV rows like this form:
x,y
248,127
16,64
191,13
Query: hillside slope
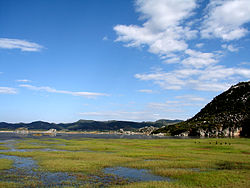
x,y
87,125
226,115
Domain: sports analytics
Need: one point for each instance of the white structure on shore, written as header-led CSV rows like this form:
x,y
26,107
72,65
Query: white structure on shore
x,y
22,130
51,132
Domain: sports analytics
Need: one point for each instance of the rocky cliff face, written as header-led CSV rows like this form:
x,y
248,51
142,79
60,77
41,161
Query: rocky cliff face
x,y
226,115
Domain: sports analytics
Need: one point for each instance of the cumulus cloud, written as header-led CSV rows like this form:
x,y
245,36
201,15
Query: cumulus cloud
x,y
52,90
23,45
7,90
162,31
226,19
168,27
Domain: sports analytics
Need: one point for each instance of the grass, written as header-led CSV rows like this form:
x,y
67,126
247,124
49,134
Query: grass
x,y
2,147
5,164
9,184
189,162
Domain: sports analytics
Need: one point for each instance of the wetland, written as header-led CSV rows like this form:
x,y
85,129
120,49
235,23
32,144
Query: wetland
x,y
75,161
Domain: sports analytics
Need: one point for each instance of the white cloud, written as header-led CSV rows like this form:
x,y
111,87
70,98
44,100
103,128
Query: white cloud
x,y
105,38
145,91
161,32
212,78
199,45
122,115
230,47
198,59
23,45
7,90
172,106
226,19
23,80
172,60
244,63
166,30
190,98
52,90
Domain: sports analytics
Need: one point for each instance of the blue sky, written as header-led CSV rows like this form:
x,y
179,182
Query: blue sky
x,y
139,60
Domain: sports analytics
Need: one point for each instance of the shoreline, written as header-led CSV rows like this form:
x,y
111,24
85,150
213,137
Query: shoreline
x,y
80,132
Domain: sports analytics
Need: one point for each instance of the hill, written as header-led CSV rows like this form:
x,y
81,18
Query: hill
x,y
228,114
86,125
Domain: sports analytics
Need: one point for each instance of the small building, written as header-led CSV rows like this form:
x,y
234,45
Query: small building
x,y
22,130
51,132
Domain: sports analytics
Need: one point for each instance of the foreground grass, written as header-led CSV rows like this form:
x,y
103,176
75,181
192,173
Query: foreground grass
x,y
5,164
189,162
2,147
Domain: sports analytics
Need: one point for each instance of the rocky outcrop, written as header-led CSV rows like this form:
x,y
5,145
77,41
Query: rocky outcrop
x,y
147,129
226,115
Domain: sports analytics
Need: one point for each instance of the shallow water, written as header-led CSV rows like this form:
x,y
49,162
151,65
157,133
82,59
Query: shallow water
x,y
135,174
10,144
8,136
25,167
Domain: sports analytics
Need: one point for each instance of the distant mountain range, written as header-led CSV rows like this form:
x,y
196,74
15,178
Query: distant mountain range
x,y
87,125
228,114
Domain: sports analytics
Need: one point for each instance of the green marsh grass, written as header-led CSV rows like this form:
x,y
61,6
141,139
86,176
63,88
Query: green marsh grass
x,y
5,164
189,162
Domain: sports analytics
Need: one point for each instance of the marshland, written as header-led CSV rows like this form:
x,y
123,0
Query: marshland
x,y
97,162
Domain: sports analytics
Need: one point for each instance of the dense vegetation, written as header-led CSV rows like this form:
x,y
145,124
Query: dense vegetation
x,y
87,125
229,110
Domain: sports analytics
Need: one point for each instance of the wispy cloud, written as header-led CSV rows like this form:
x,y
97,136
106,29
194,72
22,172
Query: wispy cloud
x,y
122,115
105,38
198,59
190,98
172,106
145,91
52,90
7,90
23,80
244,63
199,45
230,47
23,45
213,78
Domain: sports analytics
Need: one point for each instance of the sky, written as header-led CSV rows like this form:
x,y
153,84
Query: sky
x,y
135,60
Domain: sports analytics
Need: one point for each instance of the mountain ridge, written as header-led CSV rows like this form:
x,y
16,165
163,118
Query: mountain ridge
x,y
87,125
